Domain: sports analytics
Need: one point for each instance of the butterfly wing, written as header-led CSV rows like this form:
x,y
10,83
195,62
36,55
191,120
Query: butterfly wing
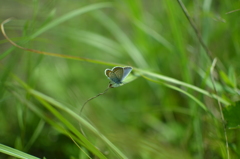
x,y
107,72
115,75
126,71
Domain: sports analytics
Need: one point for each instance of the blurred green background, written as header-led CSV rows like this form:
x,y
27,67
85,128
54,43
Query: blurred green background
x,y
143,119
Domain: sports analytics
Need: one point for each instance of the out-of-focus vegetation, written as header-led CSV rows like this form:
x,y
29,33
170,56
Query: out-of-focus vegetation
x,y
171,109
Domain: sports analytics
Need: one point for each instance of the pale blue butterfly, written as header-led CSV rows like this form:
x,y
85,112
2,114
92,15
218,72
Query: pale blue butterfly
x,y
117,75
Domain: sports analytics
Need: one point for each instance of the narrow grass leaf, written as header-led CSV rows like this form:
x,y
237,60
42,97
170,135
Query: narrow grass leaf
x,y
15,153
105,44
180,90
154,35
35,135
45,100
174,81
59,126
130,48
79,119
69,16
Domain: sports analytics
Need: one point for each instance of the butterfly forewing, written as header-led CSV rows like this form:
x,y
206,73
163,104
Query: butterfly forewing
x,y
126,72
118,71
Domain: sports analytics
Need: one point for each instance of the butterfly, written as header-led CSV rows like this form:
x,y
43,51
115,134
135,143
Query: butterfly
x,y
117,75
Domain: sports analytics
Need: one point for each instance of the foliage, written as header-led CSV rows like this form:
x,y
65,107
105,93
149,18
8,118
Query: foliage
x,y
232,115
177,102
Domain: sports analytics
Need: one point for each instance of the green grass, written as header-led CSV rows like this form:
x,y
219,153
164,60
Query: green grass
x,y
170,107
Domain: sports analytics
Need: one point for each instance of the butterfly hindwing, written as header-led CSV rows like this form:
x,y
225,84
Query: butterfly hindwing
x,y
114,78
115,74
107,72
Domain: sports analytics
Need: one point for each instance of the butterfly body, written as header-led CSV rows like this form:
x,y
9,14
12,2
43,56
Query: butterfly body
x,y
117,75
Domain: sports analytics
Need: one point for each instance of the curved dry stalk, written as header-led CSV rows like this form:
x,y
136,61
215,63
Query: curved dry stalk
x,y
93,98
48,53
89,101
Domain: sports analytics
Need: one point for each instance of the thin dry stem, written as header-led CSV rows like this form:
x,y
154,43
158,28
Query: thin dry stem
x,y
212,68
93,98
233,11
86,103
220,106
45,53
195,30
